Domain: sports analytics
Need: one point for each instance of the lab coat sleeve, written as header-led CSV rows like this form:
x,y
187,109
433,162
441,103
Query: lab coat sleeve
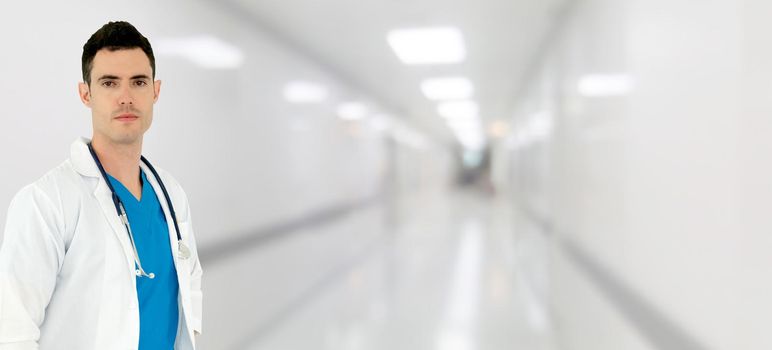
x,y
30,258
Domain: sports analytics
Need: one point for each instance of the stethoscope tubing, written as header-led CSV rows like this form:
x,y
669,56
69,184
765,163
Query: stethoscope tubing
x,y
166,196
124,218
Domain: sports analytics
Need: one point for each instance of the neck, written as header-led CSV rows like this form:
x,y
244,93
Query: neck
x,y
121,161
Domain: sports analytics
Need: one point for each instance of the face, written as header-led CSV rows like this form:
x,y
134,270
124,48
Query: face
x,y
121,96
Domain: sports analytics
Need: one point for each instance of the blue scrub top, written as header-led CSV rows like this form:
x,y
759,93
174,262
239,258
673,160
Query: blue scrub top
x,y
158,308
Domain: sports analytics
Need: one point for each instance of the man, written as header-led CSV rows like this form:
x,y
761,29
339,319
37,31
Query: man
x,y
74,274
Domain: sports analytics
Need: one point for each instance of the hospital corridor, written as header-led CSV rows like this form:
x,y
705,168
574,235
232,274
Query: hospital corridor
x,y
386,174
443,275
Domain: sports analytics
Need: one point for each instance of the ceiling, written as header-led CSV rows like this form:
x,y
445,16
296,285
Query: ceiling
x,y
348,37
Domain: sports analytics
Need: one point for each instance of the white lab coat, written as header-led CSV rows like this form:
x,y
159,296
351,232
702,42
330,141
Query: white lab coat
x,y
67,266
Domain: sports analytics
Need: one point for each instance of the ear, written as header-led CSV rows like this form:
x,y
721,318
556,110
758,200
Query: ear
x,y
85,94
156,90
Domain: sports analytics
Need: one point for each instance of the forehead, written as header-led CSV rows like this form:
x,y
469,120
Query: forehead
x,y
122,62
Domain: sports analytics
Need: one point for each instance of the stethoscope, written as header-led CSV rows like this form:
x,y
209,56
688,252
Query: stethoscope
x,y
182,249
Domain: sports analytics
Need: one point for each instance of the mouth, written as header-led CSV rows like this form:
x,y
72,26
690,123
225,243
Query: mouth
x,y
127,117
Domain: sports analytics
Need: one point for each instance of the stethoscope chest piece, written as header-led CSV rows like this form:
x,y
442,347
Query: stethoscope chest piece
x,y
182,250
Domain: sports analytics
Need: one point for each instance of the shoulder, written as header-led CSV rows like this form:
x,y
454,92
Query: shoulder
x,y
46,196
53,184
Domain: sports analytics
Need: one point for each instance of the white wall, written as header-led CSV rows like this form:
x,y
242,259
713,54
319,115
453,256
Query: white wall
x,y
247,158
667,186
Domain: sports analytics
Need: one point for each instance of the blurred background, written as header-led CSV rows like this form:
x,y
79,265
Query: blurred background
x,y
450,175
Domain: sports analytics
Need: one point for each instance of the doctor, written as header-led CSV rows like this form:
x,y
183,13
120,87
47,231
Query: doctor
x,y
95,256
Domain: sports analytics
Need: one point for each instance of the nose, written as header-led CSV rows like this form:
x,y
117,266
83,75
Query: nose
x,y
125,97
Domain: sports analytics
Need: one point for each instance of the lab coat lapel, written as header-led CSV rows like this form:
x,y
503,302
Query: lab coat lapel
x,y
84,164
165,206
104,198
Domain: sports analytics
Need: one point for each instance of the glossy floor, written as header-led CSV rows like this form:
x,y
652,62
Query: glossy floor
x,y
446,277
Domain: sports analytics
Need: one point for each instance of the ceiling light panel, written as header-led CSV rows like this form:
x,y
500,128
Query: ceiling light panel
x,y
440,45
352,111
454,88
205,51
605,85
304,92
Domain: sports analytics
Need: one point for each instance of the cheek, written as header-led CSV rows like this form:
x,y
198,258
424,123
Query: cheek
x,y
148,120
100,103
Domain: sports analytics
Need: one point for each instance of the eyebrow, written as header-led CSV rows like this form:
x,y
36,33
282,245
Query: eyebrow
x,y
113,77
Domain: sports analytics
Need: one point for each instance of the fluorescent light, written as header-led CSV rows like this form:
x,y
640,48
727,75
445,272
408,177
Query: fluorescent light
x,y
304,92
352,111
458,109
455,88
605,85
205,51
428,45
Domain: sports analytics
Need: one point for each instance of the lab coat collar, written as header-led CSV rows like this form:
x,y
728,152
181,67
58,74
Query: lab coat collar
x,y
81,158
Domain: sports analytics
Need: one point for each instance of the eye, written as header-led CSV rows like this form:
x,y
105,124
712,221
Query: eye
x,y
109,83
140,83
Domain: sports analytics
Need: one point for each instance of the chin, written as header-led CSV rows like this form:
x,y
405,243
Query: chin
x,y
127,139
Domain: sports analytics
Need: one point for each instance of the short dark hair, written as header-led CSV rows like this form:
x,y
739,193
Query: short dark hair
x,y
114,36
